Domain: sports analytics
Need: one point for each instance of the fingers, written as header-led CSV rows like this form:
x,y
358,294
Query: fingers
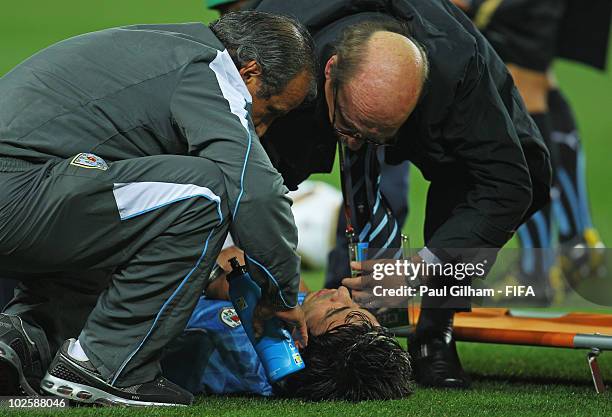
x,y
359,283
365,299
302,330
300,337
295,317
354,283
368,266
360,297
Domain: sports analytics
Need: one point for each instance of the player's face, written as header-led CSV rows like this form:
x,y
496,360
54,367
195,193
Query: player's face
x,y
326,309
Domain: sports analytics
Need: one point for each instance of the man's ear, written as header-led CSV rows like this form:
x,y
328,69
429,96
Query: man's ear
x,y
328,66
251,74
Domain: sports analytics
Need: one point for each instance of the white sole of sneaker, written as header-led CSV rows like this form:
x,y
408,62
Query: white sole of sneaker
x,y
90,395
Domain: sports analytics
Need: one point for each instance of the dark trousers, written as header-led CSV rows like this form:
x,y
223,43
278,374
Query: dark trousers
x,y
117,257
443,197
7,287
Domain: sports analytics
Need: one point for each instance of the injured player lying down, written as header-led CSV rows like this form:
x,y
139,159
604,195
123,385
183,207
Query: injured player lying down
x,y
349,355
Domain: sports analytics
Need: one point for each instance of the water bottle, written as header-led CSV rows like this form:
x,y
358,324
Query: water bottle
x,y
275,346
357,251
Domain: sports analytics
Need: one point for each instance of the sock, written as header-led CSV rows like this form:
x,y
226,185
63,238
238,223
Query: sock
x,y
537,232
536,241
76,351
572,211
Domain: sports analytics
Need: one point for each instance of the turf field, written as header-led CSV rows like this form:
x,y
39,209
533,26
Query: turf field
x,y
508,380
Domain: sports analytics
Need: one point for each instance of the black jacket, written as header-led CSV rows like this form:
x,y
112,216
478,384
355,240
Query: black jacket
x,y
469,126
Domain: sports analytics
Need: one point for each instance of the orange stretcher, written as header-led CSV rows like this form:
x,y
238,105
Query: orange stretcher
x,y
532,328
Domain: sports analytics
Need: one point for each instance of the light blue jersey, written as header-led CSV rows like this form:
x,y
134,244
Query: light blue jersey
x,y
214,354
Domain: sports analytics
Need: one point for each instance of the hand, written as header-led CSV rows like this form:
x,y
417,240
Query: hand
x,y
381,283
228,253
219,288
294,317
360,285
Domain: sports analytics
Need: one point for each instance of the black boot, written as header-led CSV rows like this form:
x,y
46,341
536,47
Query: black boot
x,y
434,353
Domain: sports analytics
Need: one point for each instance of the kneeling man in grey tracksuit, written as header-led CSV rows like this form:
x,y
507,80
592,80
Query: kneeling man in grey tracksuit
x,y
126,156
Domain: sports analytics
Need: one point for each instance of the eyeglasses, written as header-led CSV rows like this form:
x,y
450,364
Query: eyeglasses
x,y
354,135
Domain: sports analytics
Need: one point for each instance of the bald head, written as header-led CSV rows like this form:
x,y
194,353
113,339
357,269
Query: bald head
x,y
386,85
374,81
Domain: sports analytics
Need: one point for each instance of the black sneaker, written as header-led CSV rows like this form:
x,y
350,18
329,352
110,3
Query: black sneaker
x,y
20,365
81,382
436,364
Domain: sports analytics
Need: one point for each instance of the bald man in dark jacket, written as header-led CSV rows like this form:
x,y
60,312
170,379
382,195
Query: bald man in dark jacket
x,y
469,134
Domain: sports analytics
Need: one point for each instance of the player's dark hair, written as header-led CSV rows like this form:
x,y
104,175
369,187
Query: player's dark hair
x,y
355,361
280,45
350,50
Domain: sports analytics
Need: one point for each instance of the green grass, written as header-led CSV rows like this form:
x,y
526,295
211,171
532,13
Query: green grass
x,y
508,380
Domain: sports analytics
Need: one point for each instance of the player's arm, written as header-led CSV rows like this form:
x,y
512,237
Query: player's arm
x,y
218,289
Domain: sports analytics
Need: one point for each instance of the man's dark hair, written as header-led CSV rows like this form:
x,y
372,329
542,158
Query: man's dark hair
x,y
350,50
355,361
280,45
